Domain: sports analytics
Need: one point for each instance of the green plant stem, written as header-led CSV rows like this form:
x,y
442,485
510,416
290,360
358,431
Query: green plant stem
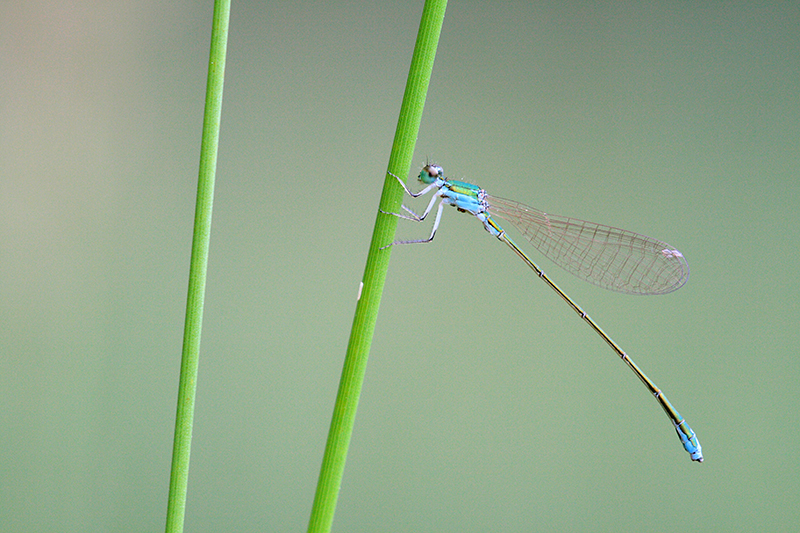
x,y
344,411
184,417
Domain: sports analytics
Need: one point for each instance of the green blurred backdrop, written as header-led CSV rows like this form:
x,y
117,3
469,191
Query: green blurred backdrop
x,y
487,406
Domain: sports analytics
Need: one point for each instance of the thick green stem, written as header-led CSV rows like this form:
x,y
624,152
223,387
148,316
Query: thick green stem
x,y
344,411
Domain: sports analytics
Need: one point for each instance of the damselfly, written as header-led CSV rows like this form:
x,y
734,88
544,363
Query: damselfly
x,y
612,258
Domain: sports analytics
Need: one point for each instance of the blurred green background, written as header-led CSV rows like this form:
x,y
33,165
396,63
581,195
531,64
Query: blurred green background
x,y
488,405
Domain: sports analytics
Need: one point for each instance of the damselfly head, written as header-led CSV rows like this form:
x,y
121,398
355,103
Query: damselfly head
x,y
430,173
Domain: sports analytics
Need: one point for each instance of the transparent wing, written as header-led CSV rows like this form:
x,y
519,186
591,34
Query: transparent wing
x,y
611,258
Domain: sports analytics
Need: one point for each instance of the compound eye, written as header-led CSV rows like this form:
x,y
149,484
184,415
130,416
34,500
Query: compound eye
x,y
434,171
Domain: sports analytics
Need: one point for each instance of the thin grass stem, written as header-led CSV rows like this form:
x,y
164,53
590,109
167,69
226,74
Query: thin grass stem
x,y
184,416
